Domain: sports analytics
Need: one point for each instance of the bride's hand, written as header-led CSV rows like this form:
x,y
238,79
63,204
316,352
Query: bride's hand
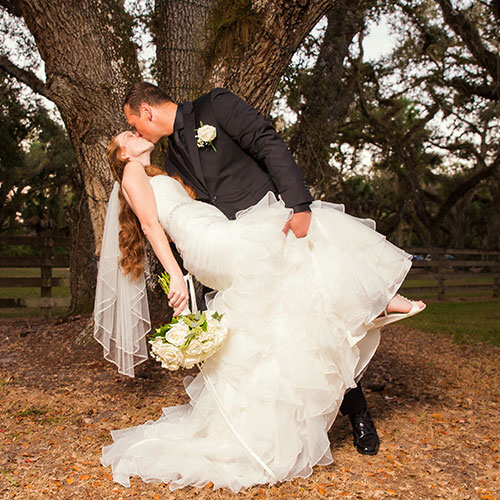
x,y
178,296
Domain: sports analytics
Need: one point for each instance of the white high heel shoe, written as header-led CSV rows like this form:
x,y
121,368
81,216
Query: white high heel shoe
x,y
387,318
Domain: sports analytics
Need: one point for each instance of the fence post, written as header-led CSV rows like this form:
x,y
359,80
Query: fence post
x,y
441,277
496,279
46,275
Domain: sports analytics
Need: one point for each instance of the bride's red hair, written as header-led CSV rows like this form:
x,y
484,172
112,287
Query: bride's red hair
x,y
131,237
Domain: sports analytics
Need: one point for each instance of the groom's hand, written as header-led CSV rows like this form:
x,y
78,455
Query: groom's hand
x,y
299,224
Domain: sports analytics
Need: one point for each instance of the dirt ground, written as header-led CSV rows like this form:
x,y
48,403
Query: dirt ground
x,y
436,405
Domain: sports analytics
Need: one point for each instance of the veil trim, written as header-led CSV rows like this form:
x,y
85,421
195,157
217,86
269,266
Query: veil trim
x,y
121,313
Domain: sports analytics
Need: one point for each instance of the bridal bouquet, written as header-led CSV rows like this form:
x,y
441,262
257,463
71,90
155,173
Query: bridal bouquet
x,y
189,338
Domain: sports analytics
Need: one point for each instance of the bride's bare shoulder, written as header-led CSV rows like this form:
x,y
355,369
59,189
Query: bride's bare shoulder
x,y
133,171
134,178
133,166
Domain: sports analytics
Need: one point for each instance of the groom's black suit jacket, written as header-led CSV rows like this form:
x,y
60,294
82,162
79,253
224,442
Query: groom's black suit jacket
x,y
250,158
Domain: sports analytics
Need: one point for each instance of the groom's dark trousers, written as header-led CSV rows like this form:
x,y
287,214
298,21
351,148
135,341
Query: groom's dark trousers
x,y
250,159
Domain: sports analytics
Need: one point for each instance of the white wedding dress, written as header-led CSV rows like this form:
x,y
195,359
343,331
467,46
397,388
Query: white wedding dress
x,y
299,313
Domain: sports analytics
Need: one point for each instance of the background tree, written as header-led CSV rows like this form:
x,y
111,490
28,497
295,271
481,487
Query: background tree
x,y
90,60
42,189
322,97
36,167
425,115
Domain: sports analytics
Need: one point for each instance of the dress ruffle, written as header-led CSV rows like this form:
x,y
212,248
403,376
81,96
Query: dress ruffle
x,y
299,312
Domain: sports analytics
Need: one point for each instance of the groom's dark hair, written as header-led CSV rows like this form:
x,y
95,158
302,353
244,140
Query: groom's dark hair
x,y
145,92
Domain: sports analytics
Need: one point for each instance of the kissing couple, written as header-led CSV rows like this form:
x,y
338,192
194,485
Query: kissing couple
x,y
304,289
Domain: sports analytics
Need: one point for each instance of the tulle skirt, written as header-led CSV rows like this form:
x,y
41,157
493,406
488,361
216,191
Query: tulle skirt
x,y
299,313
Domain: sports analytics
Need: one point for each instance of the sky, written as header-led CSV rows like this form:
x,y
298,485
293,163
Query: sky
x,y
379,40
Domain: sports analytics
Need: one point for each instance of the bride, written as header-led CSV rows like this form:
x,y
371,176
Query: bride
x,y
304,318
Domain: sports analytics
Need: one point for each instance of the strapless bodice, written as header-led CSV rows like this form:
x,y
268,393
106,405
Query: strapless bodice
x,y
169,193
202,234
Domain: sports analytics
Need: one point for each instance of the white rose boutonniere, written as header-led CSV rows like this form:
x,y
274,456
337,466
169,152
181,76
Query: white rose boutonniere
x,y
205,136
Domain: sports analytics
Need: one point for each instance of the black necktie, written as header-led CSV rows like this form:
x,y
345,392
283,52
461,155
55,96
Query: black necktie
x,y
182,150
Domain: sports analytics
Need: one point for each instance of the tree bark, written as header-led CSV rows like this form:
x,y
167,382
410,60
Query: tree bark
x,y
179,32
259,68
243,45
494,214
90,62
83,261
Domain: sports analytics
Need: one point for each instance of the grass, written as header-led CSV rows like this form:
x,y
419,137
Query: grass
x,y
474,280
467,321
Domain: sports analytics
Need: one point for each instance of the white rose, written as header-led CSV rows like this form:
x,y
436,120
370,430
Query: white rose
x,y
177,334
217,330
208,346
195,348
170,366
204,336
168,354
190,362
207,133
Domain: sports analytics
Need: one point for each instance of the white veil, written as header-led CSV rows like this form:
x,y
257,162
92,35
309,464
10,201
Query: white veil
x,y
121,314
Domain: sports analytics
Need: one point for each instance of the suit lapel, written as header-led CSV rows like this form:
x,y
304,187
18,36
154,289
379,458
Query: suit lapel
x,y
190,139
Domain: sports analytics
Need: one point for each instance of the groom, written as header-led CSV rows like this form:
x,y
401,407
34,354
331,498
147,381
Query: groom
x,y
232,157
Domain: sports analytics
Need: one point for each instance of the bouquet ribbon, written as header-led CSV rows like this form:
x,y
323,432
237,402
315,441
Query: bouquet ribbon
x,y
189,282
192,295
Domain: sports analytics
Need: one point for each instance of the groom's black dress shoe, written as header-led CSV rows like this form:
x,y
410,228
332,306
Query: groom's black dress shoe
x,y
365,435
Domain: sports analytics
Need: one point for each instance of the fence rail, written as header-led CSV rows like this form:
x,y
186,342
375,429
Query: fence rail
x,y
448,266
445,268
46,261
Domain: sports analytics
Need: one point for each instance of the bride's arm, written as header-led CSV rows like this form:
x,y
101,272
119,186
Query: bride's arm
x,y
140,196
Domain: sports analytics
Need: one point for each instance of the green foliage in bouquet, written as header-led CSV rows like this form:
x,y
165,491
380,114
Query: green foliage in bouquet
x,y
197,322
164,281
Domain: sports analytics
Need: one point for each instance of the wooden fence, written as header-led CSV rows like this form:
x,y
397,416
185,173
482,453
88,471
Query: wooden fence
x,y
452,270
46,261
442,270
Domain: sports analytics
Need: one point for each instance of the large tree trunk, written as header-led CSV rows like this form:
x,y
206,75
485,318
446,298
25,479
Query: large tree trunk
x,y
179,32
83,262
243,45
493,237
278,31
90,62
